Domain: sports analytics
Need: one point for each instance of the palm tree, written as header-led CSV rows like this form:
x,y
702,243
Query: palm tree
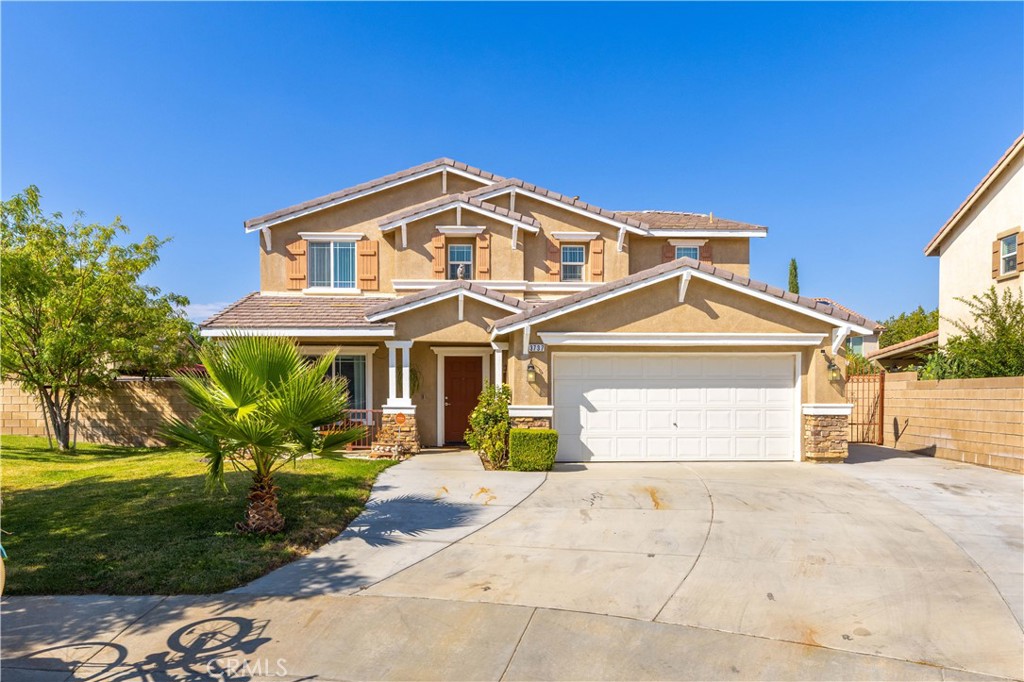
x,y
259,406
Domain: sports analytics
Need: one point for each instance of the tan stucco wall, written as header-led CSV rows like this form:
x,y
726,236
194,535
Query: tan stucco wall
x,y
708,308
965,257
732,254
358,215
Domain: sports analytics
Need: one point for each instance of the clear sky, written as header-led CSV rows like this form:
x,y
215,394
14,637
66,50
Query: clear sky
x,y
852,131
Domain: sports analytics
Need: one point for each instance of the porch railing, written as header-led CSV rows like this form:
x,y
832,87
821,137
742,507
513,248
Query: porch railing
x,y
368,419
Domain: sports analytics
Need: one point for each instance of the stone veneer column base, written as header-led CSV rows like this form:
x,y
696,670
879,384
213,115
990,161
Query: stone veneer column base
x,y
390,434
531,422
826,437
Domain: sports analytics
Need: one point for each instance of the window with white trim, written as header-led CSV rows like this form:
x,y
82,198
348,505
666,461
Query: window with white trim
x,y
1008,254
573,258
460,255
855,344
332,265
352,368
688,252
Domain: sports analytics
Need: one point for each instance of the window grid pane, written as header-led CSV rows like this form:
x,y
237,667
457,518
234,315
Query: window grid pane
x,y
460,254
688,252
1008,254
573,257
353,368
319,264
344,265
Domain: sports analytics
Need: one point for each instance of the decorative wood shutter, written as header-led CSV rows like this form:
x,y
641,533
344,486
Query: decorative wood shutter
x,y
296,263
668,253
438,244
554,261
368,264
996,255
1020,251
597,260
483,256
705,254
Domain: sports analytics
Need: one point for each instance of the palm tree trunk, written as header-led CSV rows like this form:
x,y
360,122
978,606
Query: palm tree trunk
x,y
261,513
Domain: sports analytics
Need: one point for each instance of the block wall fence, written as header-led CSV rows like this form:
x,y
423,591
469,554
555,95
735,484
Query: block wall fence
x,y
978,421
131,413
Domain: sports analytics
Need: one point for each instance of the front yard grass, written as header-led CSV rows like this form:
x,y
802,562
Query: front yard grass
x,y
112,520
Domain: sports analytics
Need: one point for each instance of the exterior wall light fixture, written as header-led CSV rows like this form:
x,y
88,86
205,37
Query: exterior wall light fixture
x,y
531,373
835,374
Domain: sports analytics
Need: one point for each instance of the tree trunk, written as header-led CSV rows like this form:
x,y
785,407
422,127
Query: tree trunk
x,y
261,513
59,416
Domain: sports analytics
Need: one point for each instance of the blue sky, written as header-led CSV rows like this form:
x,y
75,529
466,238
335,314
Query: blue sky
x,y
852,131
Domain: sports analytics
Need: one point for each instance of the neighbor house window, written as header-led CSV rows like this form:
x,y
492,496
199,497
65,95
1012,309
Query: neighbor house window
x,y
855,344
1008,254
573,257
353,369
332,264
460,255
688,252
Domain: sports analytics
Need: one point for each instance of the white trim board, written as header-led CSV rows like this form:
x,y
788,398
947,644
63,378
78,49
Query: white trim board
x,y
575,236
332,236
430,300
531,411
484,352
461,230
371,190
709,234
305,332
694,272
678,339
827,409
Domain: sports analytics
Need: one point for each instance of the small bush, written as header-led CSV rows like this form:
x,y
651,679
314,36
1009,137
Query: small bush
x,y
532,449
857,364
489,424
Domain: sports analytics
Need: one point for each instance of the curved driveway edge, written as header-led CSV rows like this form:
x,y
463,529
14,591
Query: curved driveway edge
x,y
416,509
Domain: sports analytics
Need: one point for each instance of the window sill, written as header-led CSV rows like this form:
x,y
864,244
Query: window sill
x,y
1008,276
331,290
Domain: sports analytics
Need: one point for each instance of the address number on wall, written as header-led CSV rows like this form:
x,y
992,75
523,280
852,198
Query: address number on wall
x,y
535,348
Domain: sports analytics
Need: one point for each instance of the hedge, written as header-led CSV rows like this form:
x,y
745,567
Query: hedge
x,y
532,449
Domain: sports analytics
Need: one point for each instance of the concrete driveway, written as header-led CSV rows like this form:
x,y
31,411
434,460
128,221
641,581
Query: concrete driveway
x,y
885,567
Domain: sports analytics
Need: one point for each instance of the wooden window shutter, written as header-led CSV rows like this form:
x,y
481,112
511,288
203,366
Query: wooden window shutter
x,y
668,253
368,264
440,261
296,263
597,260
483,256
554,261
1020,251
996,255
705,254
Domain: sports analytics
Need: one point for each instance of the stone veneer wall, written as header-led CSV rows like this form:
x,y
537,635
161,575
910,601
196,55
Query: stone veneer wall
x,y
407,435
130,413
531,422
977,421
826,437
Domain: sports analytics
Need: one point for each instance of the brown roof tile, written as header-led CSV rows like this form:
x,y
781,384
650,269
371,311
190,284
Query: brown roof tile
x,y
258,311
401,302
650,273
452,198
677,220
828,301
915,344
348,191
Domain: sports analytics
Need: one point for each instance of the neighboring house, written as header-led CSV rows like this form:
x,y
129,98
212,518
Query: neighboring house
x,y
907,354
856,343
637,335
982,244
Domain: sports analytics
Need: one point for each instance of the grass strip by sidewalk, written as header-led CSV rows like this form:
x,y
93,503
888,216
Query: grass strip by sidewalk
x,y
114,520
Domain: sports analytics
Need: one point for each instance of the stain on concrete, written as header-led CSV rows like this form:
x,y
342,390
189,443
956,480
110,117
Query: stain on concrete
x,y
655,497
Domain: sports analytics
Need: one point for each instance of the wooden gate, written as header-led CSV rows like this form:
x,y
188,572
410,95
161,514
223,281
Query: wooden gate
x,y
867,393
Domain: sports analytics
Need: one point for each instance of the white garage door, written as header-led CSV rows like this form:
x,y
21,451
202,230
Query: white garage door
x,y
634,406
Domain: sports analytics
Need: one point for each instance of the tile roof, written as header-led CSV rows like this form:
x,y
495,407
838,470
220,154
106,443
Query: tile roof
x,y
453,198
679,220
650,273
834,304
910,345
452,285
995,171
259,311
371,184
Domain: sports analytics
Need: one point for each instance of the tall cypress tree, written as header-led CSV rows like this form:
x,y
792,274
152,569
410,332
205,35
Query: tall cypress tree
x,y
794,279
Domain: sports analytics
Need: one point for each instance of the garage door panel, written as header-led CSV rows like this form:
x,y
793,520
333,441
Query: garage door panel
x,y
674,406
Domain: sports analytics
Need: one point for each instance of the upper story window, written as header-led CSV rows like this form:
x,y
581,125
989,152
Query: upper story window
x,y
573,258
1008,254
688,252
855,344
460,255
332,265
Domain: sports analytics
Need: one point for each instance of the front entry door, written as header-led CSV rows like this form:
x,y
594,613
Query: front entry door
x,y
463,381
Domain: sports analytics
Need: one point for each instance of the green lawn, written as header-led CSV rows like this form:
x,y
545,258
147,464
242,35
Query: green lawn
x,y
114,520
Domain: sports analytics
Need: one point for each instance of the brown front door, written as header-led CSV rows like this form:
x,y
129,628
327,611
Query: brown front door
x,y
463,381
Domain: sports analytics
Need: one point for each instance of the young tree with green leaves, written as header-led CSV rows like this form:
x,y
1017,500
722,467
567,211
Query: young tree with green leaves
x,y
260,404
907,326
991,344
794,277
75,313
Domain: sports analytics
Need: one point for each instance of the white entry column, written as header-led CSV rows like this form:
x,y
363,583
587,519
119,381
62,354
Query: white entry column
x,y
394,358
499,361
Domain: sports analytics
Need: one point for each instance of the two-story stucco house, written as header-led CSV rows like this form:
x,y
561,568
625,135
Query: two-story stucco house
x,y
636,334
982,243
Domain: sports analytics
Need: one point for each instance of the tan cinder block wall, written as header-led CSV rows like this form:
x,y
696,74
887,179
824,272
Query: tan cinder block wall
x,y
131,413
978,421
